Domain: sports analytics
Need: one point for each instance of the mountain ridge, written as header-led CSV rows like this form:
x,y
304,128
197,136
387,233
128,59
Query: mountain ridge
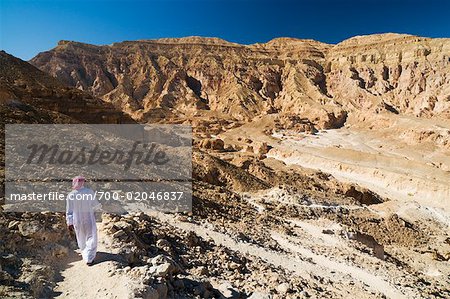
x,y
217,40
27,93
382,72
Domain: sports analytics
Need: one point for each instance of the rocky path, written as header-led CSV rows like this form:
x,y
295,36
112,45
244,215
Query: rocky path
x,y
305,252
98,281
294,258
324,265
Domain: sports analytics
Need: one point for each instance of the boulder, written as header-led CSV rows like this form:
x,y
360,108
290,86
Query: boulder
x,y
258,295
260,148
228,291
30,228
163,244
283,288
212,143
163,266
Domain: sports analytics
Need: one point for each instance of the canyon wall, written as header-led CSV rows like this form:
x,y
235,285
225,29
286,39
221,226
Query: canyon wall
x,y
151,79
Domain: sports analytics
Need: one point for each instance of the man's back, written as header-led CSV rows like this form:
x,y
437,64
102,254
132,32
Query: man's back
x,y
81,204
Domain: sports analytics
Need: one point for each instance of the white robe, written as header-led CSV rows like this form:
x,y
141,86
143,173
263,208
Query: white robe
x,y
80,214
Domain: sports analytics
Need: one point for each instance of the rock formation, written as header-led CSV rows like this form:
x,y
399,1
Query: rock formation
x,y
26,90
166,77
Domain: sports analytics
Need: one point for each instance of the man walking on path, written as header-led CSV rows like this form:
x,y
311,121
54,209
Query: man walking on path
x,y
80,217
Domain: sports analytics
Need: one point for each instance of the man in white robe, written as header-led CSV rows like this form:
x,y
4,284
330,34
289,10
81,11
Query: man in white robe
x,y
80,206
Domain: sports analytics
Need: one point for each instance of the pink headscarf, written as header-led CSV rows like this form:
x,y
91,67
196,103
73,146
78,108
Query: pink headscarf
x,y
78,182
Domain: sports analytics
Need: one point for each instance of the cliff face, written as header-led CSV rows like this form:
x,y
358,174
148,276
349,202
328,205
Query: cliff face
x,y
148,78
397,73
29,95
404,73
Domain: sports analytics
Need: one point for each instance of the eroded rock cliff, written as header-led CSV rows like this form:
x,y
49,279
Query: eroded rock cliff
x,y
29,95
155,78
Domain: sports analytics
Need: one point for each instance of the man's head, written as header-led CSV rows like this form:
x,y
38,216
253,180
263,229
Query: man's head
x,y
78,182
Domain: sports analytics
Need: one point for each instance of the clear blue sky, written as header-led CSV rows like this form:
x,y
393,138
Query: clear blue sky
x,y
29,27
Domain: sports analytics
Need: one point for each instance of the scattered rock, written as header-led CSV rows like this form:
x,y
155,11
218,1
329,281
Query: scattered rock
x,y
258,295
260,148
163,244
283,288
228,291
214,144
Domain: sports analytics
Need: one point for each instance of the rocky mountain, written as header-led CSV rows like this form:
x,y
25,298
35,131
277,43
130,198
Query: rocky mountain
x,y
402,73
28,95
31,96
183,76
